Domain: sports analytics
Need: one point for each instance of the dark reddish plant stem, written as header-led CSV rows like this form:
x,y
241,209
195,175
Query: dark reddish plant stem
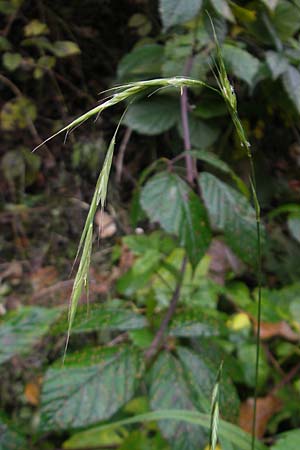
x,y
172,307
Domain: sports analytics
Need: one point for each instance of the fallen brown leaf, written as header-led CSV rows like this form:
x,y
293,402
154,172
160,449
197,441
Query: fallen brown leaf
x,y
266,407
43,277
282,329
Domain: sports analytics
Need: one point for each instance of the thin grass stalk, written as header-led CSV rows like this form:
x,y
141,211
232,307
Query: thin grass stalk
x,y
229,96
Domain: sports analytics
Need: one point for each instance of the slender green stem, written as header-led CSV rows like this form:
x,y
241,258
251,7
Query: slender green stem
x,y
259,274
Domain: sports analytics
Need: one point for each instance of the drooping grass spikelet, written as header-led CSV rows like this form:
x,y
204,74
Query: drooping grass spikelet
x,y
214,411
82,276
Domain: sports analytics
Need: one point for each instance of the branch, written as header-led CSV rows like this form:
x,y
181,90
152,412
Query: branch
x,y
172,307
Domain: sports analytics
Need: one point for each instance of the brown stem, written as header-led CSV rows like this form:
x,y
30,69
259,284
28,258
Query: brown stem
x,y
286,379
172,307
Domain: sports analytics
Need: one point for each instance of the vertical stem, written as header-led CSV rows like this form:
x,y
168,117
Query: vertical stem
x,y
259,273
165,322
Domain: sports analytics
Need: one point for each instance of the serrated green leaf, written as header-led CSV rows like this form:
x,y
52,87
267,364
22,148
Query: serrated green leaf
x,y
240,63
174,12
168,390
196,322
230,212
153,115
187,382
291,83
91,387
21,329
106,318
141,62
200,375
10,439
169,201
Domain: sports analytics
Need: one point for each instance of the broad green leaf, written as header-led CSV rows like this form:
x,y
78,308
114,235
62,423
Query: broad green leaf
x,y
140,273
294,226
11,61
197,322
157,240
169,390
141,62
289,440
228,431
169,201
291,83
21,329
174,12
200,375
91,387
277,63
62,49
187,382
11,439
240,63
230,212
286,19
202,134
107,318
247,358
212,159
222,8
153,115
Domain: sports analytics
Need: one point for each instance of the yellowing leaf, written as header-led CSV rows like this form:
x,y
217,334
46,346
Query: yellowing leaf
x,y
62,49
35,28
239,321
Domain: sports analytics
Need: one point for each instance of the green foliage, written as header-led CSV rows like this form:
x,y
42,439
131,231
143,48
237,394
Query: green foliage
x,y
70,393
10,439
22,329
185,306
186,218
